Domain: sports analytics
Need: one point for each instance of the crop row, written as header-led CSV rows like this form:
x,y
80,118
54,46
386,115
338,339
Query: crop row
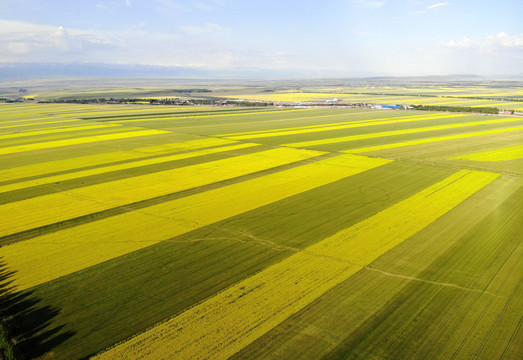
x,y
399,132
76,141
70,250
347,125
117,167
227,322
35,212
431,140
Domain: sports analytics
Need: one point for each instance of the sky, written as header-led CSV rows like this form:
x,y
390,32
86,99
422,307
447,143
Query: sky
x,y
328,37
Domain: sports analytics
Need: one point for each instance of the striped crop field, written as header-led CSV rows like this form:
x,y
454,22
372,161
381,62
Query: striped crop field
x,y
226,323
395,132
164,232
508,153
74,141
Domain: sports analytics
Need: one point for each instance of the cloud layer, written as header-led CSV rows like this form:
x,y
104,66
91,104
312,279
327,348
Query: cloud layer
x,y
497,42
351,37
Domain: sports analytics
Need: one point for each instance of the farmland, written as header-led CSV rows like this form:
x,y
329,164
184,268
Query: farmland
x,y
164,232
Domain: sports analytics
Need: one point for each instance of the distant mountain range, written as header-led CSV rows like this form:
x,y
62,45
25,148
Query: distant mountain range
x,y
21,71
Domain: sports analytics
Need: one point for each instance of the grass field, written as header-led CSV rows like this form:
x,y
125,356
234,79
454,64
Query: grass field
x,y
143,232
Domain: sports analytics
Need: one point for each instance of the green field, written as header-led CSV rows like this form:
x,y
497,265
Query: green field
x,y
503,94
316,233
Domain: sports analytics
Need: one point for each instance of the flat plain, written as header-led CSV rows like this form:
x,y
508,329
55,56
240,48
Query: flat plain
x,y
163,232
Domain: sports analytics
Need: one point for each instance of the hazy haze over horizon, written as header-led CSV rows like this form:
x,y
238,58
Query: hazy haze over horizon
x,y
338,38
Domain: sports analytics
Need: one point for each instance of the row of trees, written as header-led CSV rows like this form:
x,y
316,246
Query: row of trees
x,y
161,101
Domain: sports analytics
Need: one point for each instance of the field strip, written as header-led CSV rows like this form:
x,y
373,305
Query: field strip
x,y
127,165
35,212
50,167
396,132
430,140
101,115
53,131
227,322
352,124
324,125
126,112
69,250
55,127
499,104
508,153
65,136
32,123
460,101
18,114
265,121
205,116
76,141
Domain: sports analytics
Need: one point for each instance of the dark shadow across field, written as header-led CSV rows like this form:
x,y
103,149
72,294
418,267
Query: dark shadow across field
x,y
28,321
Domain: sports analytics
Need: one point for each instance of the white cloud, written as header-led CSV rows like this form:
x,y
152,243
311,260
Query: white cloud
x,y
193,30
505,40
429,8
26,42
462,43
128,3
490,43
18,47
434,6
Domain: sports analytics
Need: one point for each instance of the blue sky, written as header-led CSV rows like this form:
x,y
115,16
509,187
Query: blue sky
x,y
340,38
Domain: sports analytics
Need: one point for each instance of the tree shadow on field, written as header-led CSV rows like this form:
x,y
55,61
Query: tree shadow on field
x,y
26,323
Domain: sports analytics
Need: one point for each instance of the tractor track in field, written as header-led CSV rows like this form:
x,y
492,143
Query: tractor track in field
x,y
271,244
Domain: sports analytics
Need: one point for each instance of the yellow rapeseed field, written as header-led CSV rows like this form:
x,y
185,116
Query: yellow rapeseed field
x,y
32,122
286,96
107,157
20,141
334,126
57,130
76,141
494,104
38,139
431,140
398,132
210,114
51,256
129,110
128,165
348,115
508,153
460,101
183,146
227,322
34,212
